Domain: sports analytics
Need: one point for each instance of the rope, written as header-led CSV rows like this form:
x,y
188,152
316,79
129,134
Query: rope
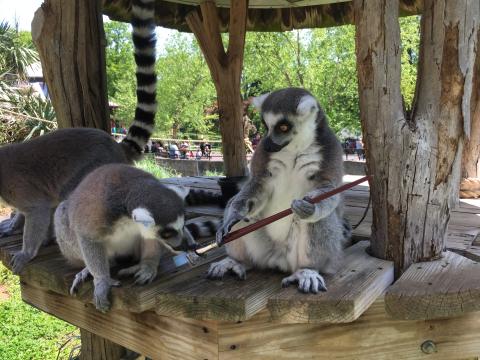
x,y
268,220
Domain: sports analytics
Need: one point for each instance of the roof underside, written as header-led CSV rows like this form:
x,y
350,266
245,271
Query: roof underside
x,y
263,15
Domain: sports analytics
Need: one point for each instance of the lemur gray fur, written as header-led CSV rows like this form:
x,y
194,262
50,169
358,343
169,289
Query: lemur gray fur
x,y
116,211
299,158
35,176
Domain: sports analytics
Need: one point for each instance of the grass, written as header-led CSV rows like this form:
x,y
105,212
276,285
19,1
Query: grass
x,y
213,173
148,164
28,333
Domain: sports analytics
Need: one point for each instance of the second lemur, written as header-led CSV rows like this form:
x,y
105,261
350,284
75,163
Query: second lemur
x,y
299,158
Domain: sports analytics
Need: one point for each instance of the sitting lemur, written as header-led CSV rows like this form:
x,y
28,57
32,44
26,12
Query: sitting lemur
x,y
298,159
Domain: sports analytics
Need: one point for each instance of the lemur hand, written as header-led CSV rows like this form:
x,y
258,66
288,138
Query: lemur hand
x,y
302,208
227,225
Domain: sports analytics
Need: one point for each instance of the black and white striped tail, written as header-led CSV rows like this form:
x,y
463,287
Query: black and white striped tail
x,y
144,41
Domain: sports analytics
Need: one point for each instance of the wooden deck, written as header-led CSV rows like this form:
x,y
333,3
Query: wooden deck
x,y
183,315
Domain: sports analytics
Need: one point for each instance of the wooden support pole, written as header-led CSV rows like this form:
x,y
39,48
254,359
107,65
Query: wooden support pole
x,y
95,347
225,68
415,159
71,42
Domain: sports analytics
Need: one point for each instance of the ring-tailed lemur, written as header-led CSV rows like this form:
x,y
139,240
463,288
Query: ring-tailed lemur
x,y
299,158
119,210
35,176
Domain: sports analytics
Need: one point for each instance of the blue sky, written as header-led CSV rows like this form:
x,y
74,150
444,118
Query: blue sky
x,y
22,11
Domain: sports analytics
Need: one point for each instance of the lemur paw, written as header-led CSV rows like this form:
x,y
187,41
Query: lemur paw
x,y
101,293
143,273
226,227
218,269
303,209
79,279
19,260
309,281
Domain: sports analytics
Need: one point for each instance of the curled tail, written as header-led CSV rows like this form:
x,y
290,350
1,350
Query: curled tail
x,y
144,41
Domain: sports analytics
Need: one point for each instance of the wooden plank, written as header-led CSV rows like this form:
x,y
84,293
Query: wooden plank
x,y
194,296
147,333
360,281
373,336
443,288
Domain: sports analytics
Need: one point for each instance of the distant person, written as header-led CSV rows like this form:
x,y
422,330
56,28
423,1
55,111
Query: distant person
x,y
256,139
174,153
184,149
208,151
198,154
202,146
359,149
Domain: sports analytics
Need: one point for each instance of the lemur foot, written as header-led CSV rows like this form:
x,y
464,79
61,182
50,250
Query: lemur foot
x,y
309,281
79,279
143,273
302,208
19,260
102,291
218,269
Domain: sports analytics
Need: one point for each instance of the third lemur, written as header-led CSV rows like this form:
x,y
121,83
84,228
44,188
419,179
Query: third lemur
x,y
298,159
35,176
119,210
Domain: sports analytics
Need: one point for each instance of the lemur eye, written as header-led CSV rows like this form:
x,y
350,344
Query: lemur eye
x,y
168,233
283,128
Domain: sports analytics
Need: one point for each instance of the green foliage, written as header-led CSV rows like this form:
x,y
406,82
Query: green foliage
x,y
16,53
321,60
27,333
185,87
148,164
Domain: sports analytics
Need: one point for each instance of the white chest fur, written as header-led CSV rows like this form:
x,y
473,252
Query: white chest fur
x,y
291,172
124,239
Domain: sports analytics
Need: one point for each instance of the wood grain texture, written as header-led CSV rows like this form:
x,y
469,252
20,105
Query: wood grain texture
x,y
194,296
95,347
70,40
414,158
447,287
361,280
147,333
373,336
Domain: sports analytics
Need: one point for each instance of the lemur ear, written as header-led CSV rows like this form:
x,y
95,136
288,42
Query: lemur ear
x,y
258,101
181,191
307,105
143,216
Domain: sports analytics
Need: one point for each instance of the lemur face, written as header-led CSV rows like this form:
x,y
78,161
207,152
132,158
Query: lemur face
x,y
290,116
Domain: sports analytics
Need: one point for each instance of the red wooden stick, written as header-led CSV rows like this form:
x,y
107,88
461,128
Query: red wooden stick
x,y
268,220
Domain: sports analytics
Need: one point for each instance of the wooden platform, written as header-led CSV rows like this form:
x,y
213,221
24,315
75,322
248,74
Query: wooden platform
x,y
184,315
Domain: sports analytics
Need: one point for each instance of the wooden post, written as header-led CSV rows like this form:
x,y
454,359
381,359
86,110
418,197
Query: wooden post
x,y
415,159
95,347
471,151
226,68
71,42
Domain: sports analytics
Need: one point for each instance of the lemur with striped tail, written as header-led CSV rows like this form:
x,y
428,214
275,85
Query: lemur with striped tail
x,y
35,176
298,159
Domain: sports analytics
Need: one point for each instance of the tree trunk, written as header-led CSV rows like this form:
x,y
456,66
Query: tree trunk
x,y
415,161
226,69
71,42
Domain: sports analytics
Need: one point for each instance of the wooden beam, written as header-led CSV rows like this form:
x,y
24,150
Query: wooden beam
x,y
351,291
147,333
71,42
374,335
226,72
443,288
